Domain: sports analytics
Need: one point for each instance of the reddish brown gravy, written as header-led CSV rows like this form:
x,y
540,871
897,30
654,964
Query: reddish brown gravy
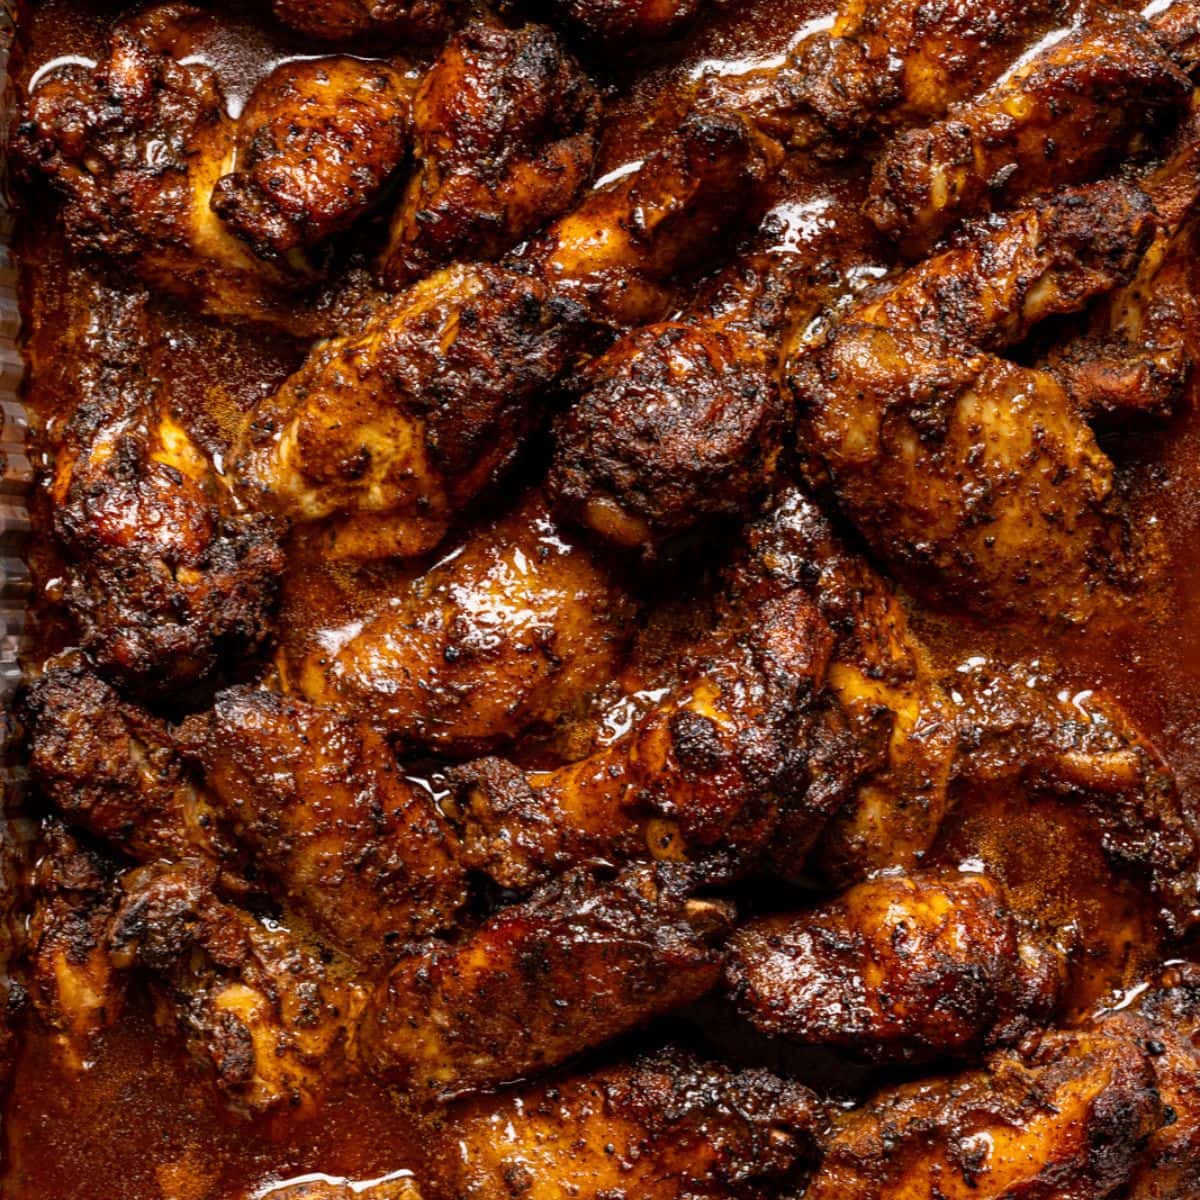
x,y
142,1121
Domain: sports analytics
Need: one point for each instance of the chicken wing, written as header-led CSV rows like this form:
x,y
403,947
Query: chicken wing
x,y
264,1012
515,630
320,802
660,1127
347,20
976,479
112,768
575,966
901,967
704,776
75,988
142,145
317,145
1057,119
394,429
882,64
684,421
505,138
399,1187
1020,730
1066,1120
167,578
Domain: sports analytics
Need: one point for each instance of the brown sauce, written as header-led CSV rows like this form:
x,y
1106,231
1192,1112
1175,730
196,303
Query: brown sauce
x,y
142,1121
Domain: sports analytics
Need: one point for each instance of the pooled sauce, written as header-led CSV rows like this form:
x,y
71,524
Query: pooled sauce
x,y
143,1121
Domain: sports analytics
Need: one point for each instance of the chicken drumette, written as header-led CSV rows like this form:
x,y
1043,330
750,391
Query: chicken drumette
x,y
901,967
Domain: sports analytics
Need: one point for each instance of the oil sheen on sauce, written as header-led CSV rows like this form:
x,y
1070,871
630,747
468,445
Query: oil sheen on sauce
x,y
142,1122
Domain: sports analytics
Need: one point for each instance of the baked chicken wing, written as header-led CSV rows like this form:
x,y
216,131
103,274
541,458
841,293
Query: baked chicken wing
x,y
901,967
505,137
578,964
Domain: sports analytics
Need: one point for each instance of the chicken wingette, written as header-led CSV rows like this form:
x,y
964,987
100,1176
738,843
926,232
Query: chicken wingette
x,y
663,1126
266,1013
900,968
704,776
1080,104
976,479
513,631
325,812
578,964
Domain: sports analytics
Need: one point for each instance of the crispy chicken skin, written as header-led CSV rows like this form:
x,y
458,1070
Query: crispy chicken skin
x,y
167,579
513,631
263,1011
626,20
76,991
348,20
974,478
317,145
703,777
505,138
112,769
899,968
1066,1120
663,1126
394,428
319,800
581,962
1058,119
882,64
678,422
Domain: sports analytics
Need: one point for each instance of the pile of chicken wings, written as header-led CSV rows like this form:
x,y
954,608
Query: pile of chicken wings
x,y
647,727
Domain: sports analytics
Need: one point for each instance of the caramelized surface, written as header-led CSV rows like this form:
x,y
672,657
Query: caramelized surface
x,y
1059,844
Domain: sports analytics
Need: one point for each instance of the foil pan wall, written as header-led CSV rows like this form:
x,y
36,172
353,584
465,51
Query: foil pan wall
x,y
16,476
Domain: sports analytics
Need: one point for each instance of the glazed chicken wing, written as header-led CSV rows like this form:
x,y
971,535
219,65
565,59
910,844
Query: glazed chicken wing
x,y
348,20
167,578
264,1012
394,428
659,1128
505,136
141,146
880,64
515,630
317,145
112,768
575,966
1065,1121
400,1188
703,777
976,479
320,802
1058,119
901,967
75,987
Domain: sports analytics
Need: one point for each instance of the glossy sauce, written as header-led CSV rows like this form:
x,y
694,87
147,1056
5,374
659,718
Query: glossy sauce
x,y
143,1122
